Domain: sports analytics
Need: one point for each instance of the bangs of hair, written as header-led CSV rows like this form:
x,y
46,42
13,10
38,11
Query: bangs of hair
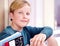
x,y
17,4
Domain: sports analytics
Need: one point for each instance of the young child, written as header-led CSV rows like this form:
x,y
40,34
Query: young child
x,y
19,12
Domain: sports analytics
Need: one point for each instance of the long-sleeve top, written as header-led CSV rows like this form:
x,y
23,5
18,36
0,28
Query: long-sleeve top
x,y
28,32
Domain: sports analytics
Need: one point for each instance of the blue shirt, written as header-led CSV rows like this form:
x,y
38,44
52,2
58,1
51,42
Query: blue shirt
x,y
28,32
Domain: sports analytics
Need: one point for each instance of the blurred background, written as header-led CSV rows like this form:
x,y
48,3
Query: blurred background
x,y
43,13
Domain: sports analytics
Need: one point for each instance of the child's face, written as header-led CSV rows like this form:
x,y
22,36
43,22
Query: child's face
x,y
21,16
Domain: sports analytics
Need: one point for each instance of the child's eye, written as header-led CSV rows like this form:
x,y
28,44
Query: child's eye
x,y
27,13
19,12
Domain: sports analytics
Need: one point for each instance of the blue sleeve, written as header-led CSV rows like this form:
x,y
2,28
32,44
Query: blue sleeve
x,y
3,35
36,30
47,31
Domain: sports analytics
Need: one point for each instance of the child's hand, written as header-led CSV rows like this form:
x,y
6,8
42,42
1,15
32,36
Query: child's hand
x,y
37,40
43,44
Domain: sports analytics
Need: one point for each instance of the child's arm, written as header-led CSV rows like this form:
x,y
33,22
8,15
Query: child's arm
x,y
44,30
3,35
39,35
47,31
38,40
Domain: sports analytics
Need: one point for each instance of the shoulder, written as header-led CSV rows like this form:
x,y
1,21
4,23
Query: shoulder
x,y
33,30
30,28
5,33
7,30
38,28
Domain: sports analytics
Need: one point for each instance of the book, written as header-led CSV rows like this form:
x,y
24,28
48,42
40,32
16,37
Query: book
x,y
10,41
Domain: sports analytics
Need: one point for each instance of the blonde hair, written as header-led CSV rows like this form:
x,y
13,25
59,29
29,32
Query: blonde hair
x,y
17,4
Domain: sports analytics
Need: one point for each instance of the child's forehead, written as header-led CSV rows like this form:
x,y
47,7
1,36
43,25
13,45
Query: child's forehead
x,y
19,5
25,7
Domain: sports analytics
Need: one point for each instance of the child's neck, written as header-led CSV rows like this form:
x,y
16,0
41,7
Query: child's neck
x,y
15,27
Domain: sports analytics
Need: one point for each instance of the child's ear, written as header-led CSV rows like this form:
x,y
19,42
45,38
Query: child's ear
x,y
11,15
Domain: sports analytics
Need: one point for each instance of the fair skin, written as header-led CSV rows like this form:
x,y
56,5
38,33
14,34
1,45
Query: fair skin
x,y
52,41
21,18
38,40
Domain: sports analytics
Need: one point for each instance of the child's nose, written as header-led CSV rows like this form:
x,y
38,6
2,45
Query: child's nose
x,y
25,16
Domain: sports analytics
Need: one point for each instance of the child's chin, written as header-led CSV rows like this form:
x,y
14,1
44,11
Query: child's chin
x,y
23,25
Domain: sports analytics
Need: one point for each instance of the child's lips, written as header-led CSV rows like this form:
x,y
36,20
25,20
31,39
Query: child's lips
x,y
23,20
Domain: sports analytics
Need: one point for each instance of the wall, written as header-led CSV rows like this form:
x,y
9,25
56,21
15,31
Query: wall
x,y
36,12
42,12
49,13
1,15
